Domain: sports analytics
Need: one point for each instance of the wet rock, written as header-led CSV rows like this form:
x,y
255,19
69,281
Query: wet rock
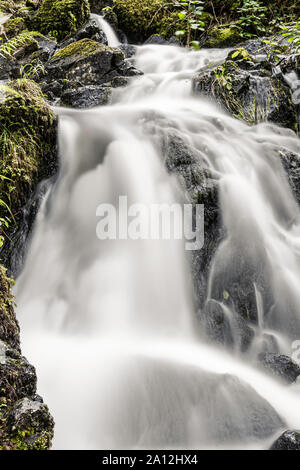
x,y
90,30
86,97
86,61
289,440
157,39
30,425
280,365
248,90
201,187
226,327
291,164
9,328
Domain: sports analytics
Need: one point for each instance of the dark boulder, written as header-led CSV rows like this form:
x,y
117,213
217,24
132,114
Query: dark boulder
x,y
85,64
280,365
289,440
86,97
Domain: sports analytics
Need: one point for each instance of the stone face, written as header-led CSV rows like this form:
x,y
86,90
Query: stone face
x,y
81,73
25,422
248,90
86,97
289,440
280,365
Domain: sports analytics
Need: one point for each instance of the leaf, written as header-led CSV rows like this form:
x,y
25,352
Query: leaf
x,y
180,33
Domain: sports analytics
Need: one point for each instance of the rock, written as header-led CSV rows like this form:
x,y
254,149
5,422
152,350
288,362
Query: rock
x,y
291,164
223,36
225,327
31,147
9,328
30,425
201,187
17,376
98,5
90,30
25,422
289,440
157,39
139,20
86,97
280,365
85,63
247,89
60,17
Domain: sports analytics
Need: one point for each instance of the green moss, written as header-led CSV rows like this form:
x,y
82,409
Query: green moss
x,y
14,26
26,132
226,36
61,18
84,47
10,6
140,19
9,328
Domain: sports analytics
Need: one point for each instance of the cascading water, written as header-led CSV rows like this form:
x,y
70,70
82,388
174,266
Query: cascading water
x,y
109,324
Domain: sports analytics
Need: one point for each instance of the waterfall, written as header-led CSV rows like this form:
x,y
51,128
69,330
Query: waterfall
x,y
111,36
110,324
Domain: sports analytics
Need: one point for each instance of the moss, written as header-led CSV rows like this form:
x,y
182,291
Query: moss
x,y
9,328
10,6
227,36
61,18
14,26
140,19
84,47
26,132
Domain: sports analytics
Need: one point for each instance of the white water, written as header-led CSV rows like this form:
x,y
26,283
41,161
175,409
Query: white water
x,y
109,325
111,36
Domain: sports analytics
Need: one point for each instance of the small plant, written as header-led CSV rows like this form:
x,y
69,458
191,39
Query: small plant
x,y
252,18
34,70
190,15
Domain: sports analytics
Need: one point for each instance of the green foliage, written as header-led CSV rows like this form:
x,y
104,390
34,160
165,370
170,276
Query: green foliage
x,y
24,39
252,16
34,70
291,31
191,18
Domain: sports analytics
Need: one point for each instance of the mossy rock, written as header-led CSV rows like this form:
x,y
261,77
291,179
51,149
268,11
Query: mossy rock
x,y
140,19
61,18
227,36
82,48
9,328
27,135
248,90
